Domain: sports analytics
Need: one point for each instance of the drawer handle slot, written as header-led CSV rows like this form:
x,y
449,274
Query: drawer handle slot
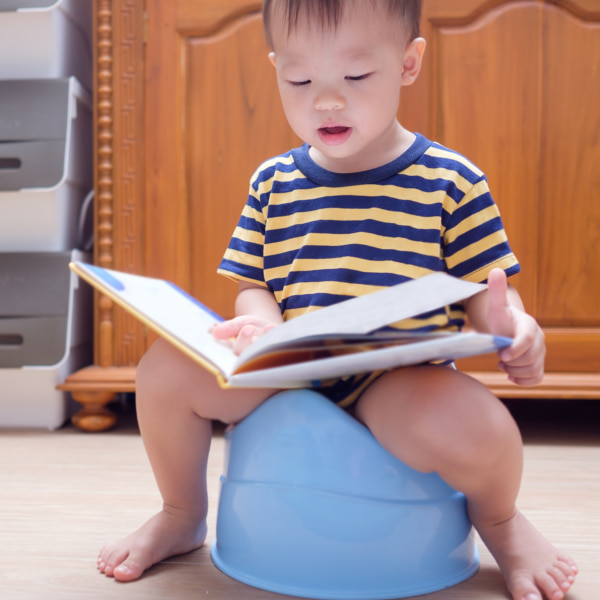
x,y
11,339
10,164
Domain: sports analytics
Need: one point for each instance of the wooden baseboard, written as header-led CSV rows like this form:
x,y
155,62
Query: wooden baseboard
x,y
568,386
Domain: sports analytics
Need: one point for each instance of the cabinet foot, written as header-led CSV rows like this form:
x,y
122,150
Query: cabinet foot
x,y
94,416
94,387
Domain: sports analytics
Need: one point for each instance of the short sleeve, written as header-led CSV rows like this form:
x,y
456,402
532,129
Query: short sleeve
x,y
473,236
243,259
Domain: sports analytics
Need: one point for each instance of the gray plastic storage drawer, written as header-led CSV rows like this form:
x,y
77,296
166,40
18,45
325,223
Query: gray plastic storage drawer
x,y
45,134
45,334
46,163
46,39
34,304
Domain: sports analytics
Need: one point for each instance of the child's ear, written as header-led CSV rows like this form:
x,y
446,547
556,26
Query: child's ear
x,y
413,59
272,58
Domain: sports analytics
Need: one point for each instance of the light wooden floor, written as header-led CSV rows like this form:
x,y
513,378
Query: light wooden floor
x,y
64,493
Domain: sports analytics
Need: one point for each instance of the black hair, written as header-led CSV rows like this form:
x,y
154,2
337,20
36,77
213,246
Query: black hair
x,y
329,13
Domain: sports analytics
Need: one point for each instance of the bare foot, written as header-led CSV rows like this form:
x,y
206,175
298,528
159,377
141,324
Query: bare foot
x,y
532,567
167,533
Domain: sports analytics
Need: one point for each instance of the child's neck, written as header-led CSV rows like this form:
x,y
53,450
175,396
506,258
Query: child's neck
x,y
395,143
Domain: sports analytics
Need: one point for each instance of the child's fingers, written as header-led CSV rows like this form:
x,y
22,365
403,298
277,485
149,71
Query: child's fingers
x,y
524,360
231,328
247,334
528,343
242,331
525,376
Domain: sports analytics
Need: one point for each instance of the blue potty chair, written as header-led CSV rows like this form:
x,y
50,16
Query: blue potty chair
x,y
311,505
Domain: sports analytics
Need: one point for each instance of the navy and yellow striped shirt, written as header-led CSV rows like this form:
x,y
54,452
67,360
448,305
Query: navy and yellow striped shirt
x,y
315,238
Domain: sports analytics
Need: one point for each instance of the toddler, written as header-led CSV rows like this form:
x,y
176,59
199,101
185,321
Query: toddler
x,y
363,204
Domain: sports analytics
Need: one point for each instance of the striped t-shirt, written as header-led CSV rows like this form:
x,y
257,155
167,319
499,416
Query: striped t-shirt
x,y
314,237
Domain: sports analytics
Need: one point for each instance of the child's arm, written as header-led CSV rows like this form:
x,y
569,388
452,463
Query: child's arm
x,y
499,310
258,312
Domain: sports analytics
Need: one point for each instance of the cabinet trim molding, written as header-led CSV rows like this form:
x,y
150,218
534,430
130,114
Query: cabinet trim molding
x,y
103,107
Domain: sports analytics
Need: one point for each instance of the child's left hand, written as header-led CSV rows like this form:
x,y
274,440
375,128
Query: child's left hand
x,y
523,360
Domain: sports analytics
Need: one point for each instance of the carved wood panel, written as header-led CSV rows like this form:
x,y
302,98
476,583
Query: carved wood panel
x,y
119,108
512,85
569,206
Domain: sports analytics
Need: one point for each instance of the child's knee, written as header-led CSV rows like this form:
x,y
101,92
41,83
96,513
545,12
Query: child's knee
x,y
439,411
163,371
168,378
150,368
475,425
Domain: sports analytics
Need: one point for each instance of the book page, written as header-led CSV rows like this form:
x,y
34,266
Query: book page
x,y
313,372
370,312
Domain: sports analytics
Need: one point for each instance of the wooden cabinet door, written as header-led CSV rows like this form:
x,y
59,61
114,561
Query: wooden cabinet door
x,y
515,87
212,116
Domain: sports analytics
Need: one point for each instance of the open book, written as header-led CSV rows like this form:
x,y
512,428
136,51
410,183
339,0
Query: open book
x,y
347,338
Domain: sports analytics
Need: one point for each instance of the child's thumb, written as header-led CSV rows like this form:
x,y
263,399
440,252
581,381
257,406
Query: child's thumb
x,y
500,320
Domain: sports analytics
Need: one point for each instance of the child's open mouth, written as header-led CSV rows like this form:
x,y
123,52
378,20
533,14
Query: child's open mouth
x,y
334,134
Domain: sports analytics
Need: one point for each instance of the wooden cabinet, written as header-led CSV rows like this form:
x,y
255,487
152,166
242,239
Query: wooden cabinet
x,y
187,107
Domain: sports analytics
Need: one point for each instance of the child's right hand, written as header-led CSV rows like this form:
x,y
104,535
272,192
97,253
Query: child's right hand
x,y
242,331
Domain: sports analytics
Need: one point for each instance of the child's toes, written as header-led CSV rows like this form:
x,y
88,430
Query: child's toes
x,y
524,588
551,584
562,581
568,566
128,570
108,562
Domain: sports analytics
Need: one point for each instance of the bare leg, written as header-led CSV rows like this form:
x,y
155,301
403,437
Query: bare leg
x,y
176,401
437,419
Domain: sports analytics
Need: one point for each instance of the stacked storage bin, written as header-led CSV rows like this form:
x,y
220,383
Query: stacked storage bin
x,y
46,165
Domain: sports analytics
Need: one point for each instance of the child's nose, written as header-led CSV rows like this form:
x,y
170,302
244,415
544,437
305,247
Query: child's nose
x,y
329,99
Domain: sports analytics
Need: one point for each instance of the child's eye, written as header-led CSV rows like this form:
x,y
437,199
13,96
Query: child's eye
x,y
299,83
357,77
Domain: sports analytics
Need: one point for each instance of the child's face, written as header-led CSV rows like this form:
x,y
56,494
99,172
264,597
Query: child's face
x,y
340,88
